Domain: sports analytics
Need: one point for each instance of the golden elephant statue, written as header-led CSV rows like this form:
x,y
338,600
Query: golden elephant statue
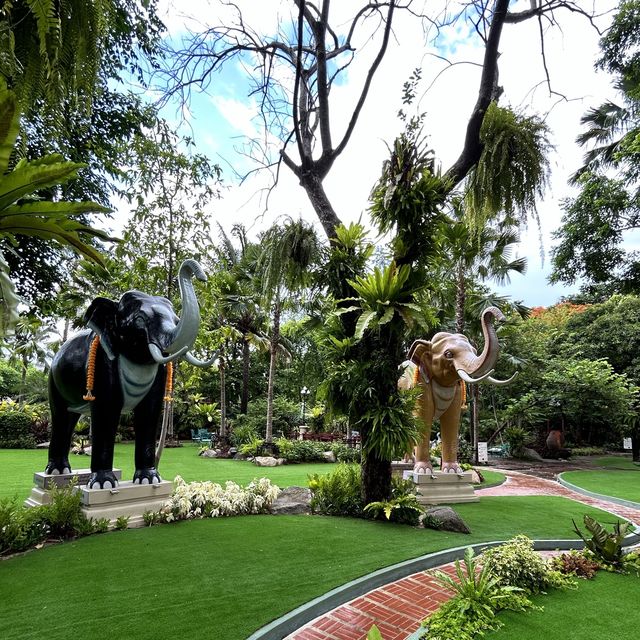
x,y
441,367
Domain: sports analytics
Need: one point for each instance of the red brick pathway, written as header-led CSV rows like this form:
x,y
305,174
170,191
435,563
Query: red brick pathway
x,y
399,607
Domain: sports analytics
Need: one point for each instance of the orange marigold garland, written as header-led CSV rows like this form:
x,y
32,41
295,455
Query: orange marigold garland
x,y
463,395
91,369
168,385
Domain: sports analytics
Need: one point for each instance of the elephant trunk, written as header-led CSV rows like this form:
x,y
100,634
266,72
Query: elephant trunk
x,y
483,364
187,329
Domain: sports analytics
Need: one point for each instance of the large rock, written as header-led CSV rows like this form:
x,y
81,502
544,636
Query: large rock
x,y
209,453
265,461
532,454
329,456
449,519
292,501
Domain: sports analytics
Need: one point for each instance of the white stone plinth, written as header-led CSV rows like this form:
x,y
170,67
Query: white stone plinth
x,y
127,499
44,482
443,488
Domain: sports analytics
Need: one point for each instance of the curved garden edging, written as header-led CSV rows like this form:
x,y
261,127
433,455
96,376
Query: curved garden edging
x,y
599,496
303,614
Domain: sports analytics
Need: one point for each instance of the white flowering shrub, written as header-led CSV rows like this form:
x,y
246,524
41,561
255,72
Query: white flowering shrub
x,y
211,500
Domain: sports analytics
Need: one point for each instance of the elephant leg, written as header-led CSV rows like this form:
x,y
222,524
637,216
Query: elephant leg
x,y
449,428
104,424
146,421
63,424
422,463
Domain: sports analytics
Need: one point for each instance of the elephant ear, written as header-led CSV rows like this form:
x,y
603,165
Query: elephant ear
x,y
420,350
101,318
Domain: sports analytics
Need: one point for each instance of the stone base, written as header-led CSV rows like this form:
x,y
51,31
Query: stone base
x,y
127,499
44,482
398,468
443,488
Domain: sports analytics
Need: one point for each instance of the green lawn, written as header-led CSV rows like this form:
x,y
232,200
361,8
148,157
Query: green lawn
x,y
615,462
19,465
602,608
620,484
225,578
491,478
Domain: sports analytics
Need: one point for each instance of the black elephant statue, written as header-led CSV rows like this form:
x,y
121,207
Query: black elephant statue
x,y
137,335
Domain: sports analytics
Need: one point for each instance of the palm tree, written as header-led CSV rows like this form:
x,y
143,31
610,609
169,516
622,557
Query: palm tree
x,y
288,252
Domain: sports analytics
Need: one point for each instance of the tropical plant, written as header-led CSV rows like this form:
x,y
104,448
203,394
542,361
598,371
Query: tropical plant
x,y
477,598
576,563
515,563
405,510
337,493
606,546
21,212
288,253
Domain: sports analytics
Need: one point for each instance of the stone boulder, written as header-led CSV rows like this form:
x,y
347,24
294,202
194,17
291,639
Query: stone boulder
x,y
209,453
329,456
266,461
448,518
476,476
292,501
531,454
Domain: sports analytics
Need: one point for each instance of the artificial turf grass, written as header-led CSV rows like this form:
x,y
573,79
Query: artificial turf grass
x,y
224,578
491,478
603,608
19,465
619,484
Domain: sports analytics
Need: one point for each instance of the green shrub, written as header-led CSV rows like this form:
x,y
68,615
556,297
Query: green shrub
x,y
588,451
516,564
345,453
337,493
576,563
15,430
472,610
251,448
121,523
21,528
101,525
242,433
301,450
285,417
403,510
64,514
465,451
517,439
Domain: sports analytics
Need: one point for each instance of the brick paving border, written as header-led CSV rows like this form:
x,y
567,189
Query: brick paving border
x,y
398,608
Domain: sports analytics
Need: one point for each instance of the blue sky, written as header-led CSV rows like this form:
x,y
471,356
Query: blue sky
x,y
220,119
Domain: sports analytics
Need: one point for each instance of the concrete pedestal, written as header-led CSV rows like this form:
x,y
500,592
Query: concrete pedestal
x,y
44,481
443,488
127,499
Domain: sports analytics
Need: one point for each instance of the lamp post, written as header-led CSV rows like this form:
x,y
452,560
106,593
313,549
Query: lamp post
x,y
304,393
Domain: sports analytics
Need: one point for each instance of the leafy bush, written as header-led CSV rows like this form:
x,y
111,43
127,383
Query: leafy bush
x,y
243,433
517,439
588,451
472,610
606,547
345,453
576,563
251,448
404,510
465,451
20,528
211,500
301,450
337,493
64,514
122,522
285,417
516,564
15,430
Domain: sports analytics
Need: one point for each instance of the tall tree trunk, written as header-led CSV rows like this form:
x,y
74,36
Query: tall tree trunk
x,y
246,358
273,353
329,220
460,298
376,476
222,366
635,444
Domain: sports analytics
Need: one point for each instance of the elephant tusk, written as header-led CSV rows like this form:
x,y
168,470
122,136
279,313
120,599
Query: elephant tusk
x,y
467,378
156,354
191,359
500,382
